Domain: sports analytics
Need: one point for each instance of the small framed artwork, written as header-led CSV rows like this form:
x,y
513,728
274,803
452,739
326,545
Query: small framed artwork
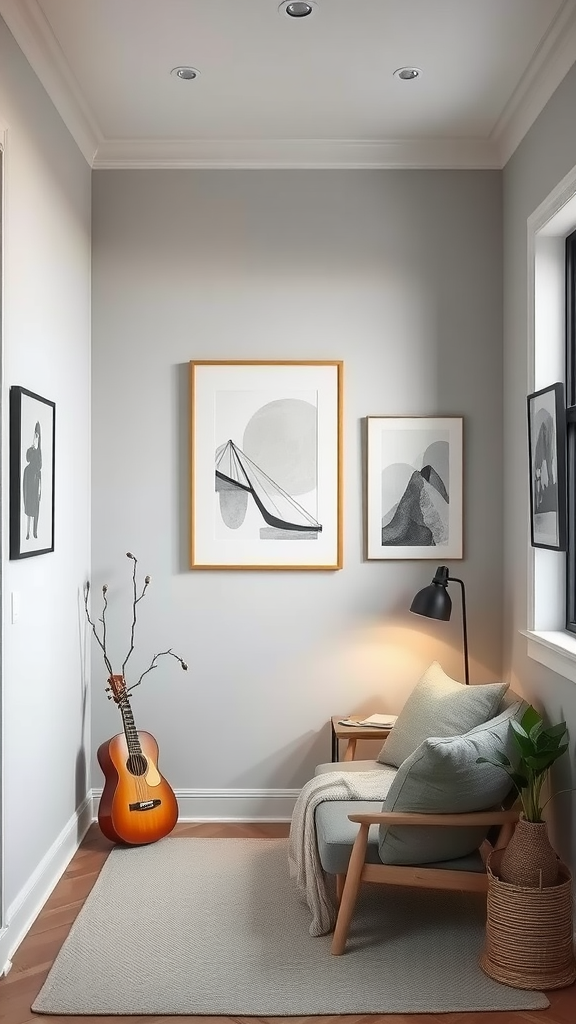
x,y
547,467
266,465
414,487
32,425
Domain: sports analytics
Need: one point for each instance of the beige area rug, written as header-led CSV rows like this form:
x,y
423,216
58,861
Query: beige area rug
x,y
214,926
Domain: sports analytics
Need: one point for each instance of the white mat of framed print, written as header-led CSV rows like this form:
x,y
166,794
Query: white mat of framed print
x,y
266,443
414,487
31,473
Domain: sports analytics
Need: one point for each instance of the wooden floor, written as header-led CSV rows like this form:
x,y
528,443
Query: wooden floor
x,y
35,956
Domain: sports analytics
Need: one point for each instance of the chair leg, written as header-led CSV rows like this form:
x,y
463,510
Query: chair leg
x,y
350,891
340,880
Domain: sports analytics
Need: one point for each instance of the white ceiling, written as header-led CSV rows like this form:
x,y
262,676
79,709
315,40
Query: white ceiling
x,y
275,91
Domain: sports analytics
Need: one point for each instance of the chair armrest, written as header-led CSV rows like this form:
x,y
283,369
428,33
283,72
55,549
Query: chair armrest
x,y
412,818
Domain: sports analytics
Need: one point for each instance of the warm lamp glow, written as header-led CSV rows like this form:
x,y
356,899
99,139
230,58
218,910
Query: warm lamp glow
x,y
435,602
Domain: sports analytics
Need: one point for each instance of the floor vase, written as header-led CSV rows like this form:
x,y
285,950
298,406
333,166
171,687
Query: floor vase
x,y
529,858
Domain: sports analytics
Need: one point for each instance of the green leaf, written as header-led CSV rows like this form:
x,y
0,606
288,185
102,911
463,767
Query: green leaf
x,y
518,728
536,731
540,762
496,764
557,730
501,758
523,741
558,753
545,742
530,718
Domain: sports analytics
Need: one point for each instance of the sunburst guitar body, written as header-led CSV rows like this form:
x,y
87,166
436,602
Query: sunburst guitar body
x,y
137,805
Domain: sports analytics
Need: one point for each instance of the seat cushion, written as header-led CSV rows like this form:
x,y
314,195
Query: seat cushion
x,y
335,834
442,776
353,766
439,706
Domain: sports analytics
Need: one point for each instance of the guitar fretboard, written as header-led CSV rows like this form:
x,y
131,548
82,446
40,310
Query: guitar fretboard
x,y
130,731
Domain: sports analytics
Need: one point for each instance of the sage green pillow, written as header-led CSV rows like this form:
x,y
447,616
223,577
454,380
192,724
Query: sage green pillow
x,y
442,776
439,706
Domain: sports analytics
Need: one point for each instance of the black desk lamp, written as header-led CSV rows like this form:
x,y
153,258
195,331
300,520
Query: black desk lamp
x,y
435,602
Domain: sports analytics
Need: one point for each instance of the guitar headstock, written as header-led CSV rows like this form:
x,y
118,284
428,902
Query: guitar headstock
x,y
118,688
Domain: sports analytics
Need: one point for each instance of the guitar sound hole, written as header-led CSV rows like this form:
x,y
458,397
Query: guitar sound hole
x,y
137,764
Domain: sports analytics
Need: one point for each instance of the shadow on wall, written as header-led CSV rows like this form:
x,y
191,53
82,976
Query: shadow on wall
x,y
181,441
81,766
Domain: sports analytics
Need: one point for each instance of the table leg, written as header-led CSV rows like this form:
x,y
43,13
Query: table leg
x,y
334,744
350,751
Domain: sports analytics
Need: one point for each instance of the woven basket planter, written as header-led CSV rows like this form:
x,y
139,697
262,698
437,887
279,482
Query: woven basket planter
x,y
529,941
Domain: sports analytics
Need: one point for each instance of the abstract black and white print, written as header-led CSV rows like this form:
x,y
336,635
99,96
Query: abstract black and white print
x,y
416,492
547,472
266,466
31,474
414,487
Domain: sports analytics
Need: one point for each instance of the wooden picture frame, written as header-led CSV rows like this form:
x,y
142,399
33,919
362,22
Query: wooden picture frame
x,y
266,464
32,478
414,487
547,467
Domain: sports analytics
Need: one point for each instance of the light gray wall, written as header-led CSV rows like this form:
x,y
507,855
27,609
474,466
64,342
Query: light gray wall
x,y
47,350
398,273
544,157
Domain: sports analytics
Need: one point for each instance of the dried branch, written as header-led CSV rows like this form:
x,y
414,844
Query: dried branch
x,y
153,665
136,598
135,601
102,643
103,616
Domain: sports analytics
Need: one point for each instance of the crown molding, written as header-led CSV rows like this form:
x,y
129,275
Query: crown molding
x,y
34,36
551,62
296,153
549,65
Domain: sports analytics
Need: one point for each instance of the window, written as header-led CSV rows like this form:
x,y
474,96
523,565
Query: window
x,y
571,429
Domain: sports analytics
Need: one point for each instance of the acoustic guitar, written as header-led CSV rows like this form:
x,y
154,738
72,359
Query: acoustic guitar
x,y
137,805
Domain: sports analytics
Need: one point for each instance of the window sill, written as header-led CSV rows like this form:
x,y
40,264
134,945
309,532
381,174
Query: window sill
x,y
553,648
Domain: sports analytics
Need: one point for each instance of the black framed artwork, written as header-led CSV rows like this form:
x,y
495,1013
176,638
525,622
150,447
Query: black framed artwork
x,y
547,458
32,432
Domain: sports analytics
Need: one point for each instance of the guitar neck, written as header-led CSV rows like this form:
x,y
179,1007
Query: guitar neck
x,y
130,731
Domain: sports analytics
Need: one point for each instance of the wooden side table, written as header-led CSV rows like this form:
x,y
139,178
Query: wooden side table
x,y
352,733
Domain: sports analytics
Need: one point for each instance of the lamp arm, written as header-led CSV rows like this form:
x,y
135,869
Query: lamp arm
x,y
454,579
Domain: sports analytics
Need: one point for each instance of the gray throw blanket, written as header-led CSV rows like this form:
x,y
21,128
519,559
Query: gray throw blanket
x,y
303,858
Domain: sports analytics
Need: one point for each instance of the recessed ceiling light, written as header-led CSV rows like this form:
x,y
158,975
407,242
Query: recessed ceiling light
x,y
187,73
407,74
296,9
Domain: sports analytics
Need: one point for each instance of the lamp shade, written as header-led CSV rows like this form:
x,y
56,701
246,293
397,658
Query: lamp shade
x,y
434,601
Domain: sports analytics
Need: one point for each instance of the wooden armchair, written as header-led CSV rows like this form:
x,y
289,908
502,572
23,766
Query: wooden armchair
x,y
347,885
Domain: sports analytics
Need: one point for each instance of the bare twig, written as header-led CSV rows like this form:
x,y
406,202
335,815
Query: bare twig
x,y
135,601
103,616
94,629
102,642
153,665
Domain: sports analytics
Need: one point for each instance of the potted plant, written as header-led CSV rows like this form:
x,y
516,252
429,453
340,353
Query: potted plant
x,y
529,858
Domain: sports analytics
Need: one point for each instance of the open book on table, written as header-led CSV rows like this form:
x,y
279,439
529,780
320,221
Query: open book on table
x,y
373,721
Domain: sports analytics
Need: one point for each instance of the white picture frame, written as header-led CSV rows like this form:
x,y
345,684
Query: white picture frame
x,y
414,487
266,464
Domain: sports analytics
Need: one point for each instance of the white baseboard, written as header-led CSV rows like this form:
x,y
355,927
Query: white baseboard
x,y
24,910
229,804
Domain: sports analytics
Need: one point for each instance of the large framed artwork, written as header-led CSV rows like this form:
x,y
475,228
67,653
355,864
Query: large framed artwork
x,y
266,465
547,461
414,487
32,426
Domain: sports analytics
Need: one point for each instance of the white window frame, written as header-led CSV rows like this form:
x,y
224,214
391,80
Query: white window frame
x,y
548,642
